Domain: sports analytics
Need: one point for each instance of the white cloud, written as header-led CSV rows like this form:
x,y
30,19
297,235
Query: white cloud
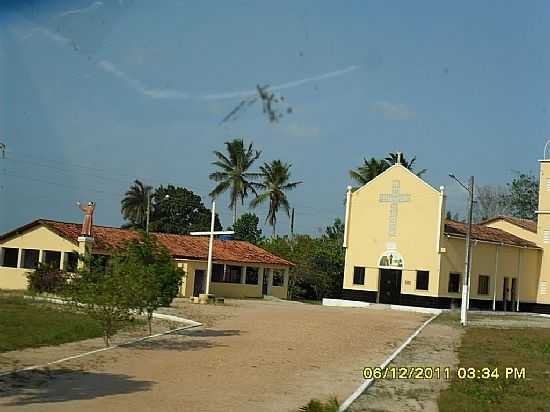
x,y
91,7
393,111
135,84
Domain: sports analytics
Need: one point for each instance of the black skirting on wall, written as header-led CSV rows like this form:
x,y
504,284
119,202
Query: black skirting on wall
x,y
442,302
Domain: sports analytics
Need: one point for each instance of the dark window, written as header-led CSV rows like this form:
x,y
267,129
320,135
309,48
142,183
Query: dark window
x,y
11,255
72,262
278,278
422,279
217,272
454,283
52,258
30,258
232,274
251,276
358,275
483,285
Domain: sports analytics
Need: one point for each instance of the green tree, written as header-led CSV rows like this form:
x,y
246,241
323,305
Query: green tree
x,y
134,204
368,170
374,167
47,278
246,228
233,173
156,277
523,196
182,212
319,262
397,157
103,292
275,184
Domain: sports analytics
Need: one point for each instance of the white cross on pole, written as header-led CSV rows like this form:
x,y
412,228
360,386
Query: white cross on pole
x,y
211,244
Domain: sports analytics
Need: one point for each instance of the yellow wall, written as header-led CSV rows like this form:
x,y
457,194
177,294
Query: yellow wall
x,y
484,263
233,290
40,238
514,230
544,225
418,231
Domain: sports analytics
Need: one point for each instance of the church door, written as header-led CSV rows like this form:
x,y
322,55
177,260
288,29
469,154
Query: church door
x,y
200,282
390,286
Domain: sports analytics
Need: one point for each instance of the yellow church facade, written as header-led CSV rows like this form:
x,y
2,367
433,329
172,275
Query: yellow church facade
x,y
400,249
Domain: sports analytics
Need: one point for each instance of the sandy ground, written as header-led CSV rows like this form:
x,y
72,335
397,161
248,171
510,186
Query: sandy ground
x,y
250,356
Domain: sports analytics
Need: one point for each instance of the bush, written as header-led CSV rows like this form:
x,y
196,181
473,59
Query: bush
x,y
315,405
47,279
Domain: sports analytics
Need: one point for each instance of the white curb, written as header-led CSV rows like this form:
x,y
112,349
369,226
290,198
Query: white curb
x,y
365,385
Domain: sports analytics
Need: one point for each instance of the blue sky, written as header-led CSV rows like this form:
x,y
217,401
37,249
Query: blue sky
x,y
97,93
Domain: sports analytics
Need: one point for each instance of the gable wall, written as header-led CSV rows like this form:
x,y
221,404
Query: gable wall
x,y
418,231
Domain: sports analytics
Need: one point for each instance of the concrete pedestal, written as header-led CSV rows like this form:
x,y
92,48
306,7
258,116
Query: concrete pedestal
x,y
206,298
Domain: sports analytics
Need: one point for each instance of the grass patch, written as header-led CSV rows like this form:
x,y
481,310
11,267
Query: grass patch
x,y
25,323
527,348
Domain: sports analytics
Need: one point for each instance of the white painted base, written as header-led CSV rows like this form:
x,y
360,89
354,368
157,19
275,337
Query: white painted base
x,y
359,304
345,303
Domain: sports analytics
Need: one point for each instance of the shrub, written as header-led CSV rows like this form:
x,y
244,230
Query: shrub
x,y
47,279
315,405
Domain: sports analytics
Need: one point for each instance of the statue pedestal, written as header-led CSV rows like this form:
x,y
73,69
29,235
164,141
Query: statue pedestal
x,y
205,299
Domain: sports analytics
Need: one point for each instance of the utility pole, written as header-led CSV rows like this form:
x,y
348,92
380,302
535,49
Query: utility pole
x,y
464,304
468,263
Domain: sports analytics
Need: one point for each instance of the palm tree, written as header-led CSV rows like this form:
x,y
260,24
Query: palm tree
x,y
134,203
276,176
233,174
368,170
397,157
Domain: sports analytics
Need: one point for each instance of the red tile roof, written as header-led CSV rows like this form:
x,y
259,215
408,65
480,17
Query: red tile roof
x,y
180,246
526,224
489,234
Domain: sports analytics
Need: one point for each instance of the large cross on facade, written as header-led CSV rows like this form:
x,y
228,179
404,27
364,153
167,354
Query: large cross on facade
x,y
211,234
394,198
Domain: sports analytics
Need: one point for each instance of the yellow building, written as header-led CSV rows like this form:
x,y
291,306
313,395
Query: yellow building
x,y
240,269
400,249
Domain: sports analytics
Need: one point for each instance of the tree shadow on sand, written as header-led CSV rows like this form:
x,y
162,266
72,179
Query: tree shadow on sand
x,y
180,340
61,385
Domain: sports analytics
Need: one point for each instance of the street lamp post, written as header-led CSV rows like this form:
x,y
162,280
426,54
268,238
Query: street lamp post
x,y
467,263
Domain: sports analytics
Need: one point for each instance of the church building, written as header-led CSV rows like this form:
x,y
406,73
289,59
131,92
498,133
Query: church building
x,y
401,249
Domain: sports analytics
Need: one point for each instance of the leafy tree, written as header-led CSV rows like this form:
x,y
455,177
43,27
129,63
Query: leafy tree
x,y
396,157
134,204
368,170
523,196
156,277
47,278
374,167
246,228
319,262
275,184
182,212
233,174
103,292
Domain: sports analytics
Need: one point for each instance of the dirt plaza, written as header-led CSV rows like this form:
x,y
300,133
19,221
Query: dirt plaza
x,y
249,355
